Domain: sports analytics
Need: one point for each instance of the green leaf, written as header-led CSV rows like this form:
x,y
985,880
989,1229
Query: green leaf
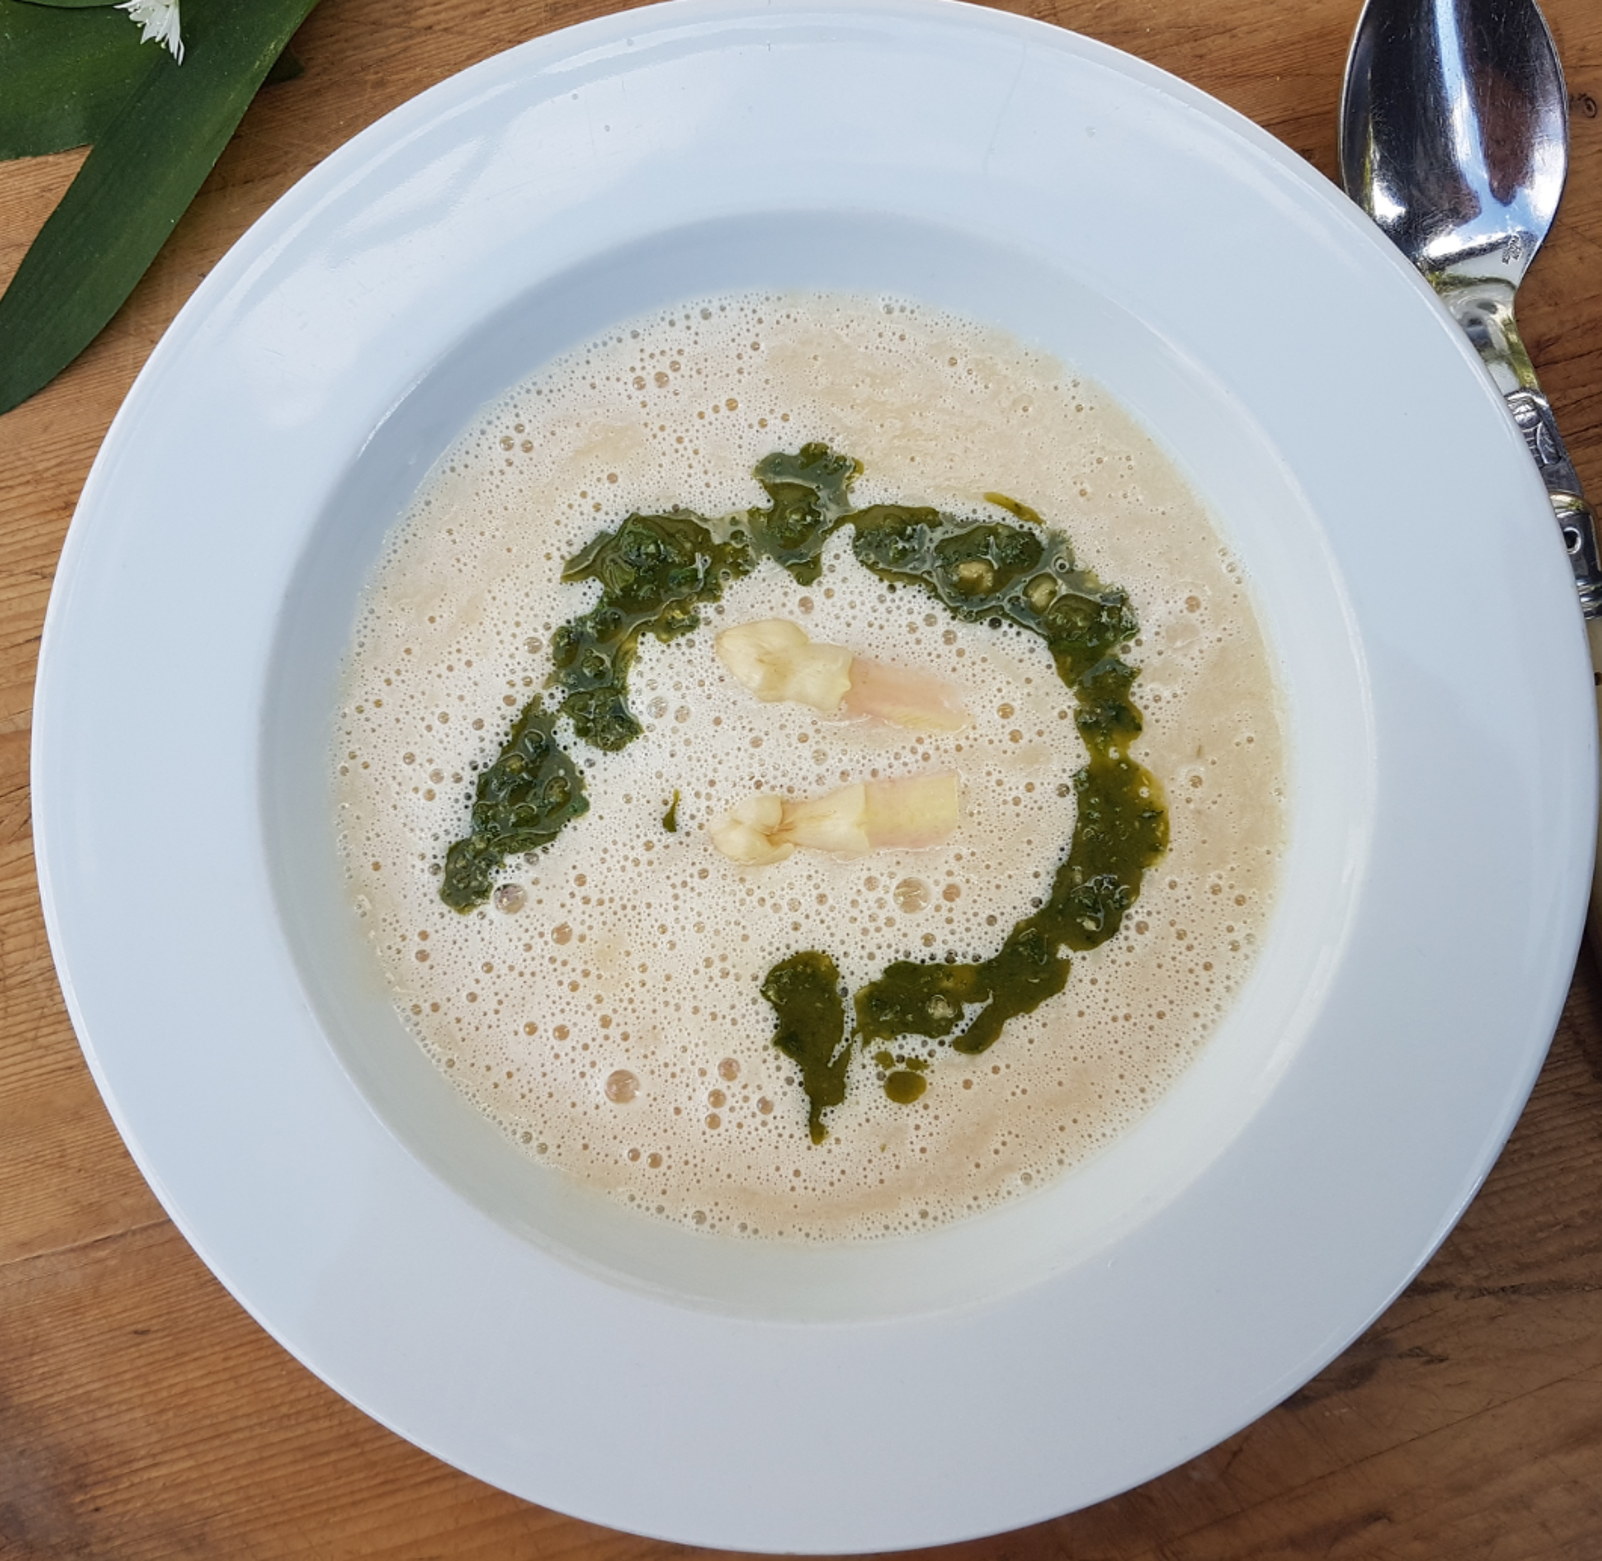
x,y
66,75
73,5
145,168
287,67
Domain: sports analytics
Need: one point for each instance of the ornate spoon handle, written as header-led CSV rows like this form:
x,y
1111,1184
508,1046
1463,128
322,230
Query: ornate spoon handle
x,y
1485,312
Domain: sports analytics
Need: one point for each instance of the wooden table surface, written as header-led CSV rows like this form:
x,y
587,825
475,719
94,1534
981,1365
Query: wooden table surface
x,y
143,1414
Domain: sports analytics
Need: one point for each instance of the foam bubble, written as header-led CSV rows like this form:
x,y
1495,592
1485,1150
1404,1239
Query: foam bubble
x,y
604,1008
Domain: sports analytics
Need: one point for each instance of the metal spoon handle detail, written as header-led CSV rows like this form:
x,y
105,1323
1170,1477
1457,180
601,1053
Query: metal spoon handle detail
x,y
1484,310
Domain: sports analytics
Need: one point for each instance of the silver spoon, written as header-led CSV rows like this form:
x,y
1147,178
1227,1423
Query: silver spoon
x,y
1454,138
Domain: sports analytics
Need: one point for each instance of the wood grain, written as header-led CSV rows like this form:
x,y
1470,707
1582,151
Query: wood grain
x,y
143,1414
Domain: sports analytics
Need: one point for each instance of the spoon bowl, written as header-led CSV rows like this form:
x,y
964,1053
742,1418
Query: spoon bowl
x,y
1454,138
1454,128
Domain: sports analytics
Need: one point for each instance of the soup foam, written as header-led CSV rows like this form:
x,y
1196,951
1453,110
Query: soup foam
x,y
605,1009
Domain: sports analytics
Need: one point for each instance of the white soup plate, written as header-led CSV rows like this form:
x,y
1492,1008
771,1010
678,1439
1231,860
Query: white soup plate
x,y
760,1395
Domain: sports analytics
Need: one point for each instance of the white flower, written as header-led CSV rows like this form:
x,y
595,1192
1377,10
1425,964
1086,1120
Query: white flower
x,y
159,19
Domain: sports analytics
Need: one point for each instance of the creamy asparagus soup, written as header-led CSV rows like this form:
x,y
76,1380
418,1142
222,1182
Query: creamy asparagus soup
x,y
808,766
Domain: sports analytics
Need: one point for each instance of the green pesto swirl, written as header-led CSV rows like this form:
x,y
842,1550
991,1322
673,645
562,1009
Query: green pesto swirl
x,y
657,571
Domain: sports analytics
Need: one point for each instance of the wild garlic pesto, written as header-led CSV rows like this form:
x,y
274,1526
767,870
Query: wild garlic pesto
x,y
657,571
614,1005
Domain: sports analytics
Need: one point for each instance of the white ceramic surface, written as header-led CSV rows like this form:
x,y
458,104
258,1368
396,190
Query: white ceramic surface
x,y
1077,1341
